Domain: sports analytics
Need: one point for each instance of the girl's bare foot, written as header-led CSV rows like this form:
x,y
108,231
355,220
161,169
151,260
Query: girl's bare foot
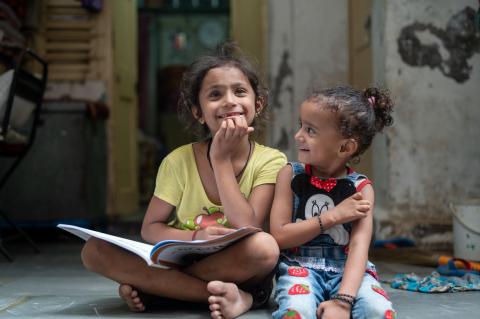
x,y
131,297
227,301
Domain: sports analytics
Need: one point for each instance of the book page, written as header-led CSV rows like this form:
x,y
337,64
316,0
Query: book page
x,y
138,248
167,253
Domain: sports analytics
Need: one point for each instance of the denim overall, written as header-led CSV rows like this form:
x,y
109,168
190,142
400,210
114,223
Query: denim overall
x,y
311,273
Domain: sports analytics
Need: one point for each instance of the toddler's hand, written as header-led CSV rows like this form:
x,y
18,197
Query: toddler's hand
x,y
350,209
212,232
333,310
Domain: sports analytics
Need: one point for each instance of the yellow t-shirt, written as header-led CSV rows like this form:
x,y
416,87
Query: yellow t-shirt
x,y
178,183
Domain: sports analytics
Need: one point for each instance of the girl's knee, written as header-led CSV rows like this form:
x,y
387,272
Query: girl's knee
x,y
373,301
92,253
379,312
262,247
373,309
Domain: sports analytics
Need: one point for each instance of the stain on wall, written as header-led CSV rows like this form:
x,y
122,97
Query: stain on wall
x,y
283,141
448,49
307,45
283,83
426,53
284,71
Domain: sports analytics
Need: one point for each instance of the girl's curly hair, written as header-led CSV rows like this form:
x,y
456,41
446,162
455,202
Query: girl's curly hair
x,y
360,114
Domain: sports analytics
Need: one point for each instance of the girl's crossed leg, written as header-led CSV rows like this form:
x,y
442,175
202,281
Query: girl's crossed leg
x,y
247,263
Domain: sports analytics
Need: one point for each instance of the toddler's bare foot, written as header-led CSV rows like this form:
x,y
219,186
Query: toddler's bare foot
x,y
227,301
131,297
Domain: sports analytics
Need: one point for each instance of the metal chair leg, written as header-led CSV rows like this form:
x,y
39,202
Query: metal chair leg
x,y
21,232
4,252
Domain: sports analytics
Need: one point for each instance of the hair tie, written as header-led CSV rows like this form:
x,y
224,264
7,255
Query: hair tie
x,y
371,100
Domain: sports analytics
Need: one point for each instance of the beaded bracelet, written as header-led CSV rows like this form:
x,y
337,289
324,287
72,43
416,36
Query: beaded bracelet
x,y
322,229
343,299
346,296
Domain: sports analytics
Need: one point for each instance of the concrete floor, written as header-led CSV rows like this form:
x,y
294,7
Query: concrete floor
x,y
53,284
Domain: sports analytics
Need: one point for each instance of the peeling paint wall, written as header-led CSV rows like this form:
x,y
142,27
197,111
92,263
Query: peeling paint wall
x,y
428,54
308,45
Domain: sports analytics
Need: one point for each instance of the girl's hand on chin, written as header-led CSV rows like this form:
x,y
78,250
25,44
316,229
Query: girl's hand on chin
x,y
241,126
235,128
229,135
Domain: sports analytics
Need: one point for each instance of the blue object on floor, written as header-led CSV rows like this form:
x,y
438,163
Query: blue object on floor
x,y
435,283
451,270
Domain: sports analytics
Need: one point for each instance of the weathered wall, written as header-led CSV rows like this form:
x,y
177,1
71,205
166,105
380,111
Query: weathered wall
x,y
308,44
428,54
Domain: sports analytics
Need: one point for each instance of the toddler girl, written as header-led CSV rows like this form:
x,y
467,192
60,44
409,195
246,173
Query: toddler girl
x,y
322,211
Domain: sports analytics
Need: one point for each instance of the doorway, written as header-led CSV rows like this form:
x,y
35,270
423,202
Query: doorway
x,y
171,35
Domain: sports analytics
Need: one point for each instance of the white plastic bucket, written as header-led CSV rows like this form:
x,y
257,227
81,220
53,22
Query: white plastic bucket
x,y
466,230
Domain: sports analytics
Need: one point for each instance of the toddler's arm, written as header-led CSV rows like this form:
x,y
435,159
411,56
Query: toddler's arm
x,y
290,234
356,262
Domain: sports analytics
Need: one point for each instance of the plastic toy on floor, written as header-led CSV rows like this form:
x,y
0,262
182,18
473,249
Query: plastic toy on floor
x,y
444,259
457,267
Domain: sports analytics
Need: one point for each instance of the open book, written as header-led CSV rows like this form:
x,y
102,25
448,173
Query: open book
x,y
167,253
